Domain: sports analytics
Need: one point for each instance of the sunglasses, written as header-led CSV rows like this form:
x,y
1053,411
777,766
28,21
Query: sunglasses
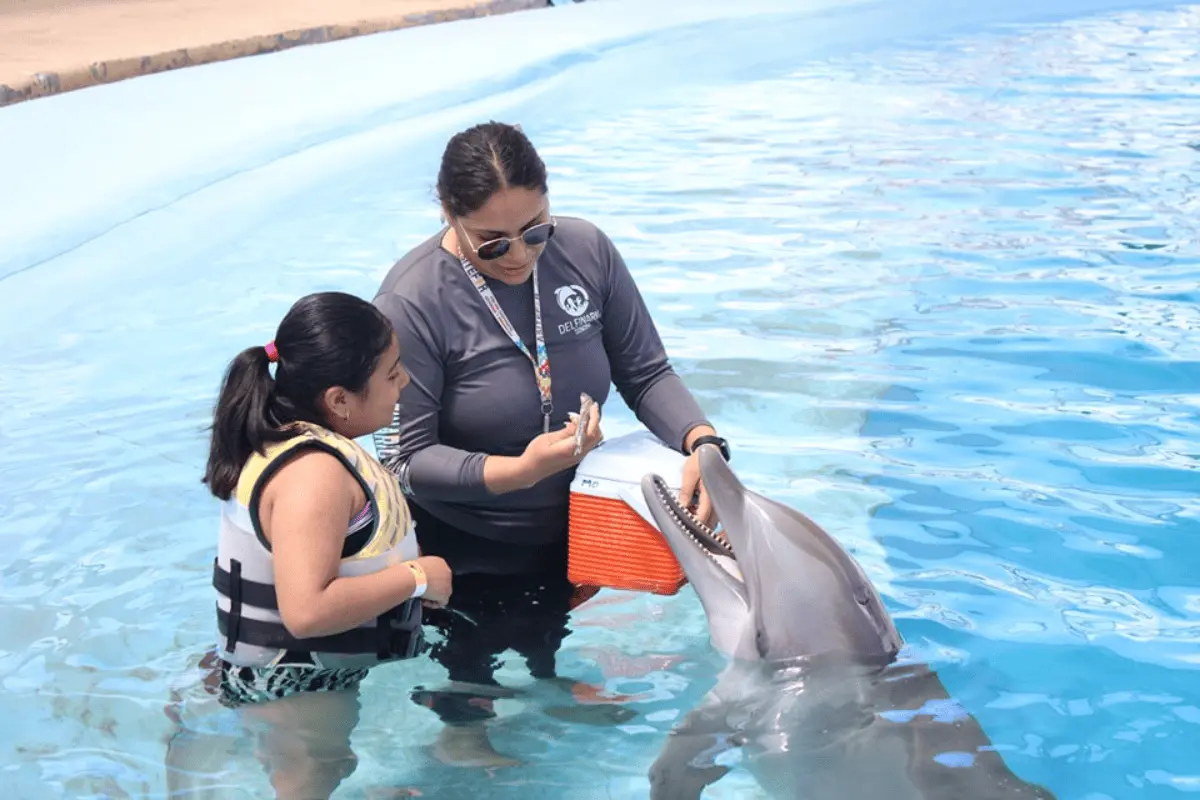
x,y
492,249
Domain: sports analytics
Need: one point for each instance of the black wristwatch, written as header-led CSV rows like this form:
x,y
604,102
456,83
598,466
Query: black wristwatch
x,y
709,439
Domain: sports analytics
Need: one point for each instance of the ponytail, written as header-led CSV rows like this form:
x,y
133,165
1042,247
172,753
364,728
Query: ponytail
x,y
326,339
242,420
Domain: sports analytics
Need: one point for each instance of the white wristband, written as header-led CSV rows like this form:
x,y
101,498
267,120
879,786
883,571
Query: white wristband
x,y
419,578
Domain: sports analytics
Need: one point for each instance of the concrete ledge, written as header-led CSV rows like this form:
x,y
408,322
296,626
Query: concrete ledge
x,y
42,84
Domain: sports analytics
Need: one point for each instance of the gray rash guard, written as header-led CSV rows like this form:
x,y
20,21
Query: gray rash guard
x,y
473,393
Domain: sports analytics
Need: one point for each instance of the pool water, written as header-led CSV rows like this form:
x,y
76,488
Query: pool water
x,y
940,294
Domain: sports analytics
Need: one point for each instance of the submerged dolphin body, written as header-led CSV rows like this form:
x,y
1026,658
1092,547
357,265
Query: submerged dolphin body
x,y
814,694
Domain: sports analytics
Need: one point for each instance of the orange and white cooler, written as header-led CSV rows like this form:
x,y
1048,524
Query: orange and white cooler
x,y
613,540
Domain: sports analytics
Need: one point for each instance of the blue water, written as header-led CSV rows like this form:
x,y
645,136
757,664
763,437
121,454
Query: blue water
x,y
939,290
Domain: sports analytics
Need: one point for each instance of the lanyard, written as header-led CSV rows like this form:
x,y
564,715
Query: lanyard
x,y
541,365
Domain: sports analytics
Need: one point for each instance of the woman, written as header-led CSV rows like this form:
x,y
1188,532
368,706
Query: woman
x,y
505,316
317,570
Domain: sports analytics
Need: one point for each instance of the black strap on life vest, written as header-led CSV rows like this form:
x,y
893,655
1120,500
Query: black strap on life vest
x,y
383,624
235,584
386,643
252,593
396,634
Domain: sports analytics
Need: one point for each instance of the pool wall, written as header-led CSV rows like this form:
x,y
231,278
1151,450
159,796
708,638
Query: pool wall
x,y
46,83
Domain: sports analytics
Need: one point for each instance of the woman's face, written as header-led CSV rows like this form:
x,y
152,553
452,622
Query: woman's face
x,y
506,215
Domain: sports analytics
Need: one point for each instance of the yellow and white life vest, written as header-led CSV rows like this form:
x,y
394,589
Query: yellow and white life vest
x,y
252,631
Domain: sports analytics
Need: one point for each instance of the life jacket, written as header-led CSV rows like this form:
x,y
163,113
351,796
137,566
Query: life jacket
x,y
252,631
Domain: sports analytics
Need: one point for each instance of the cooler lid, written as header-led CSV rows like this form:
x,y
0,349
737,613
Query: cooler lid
x,y
628,457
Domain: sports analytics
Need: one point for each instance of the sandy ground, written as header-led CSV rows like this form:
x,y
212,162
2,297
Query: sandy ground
x,y
49,46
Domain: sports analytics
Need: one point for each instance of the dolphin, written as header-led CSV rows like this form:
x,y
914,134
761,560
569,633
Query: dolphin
x,y
815,693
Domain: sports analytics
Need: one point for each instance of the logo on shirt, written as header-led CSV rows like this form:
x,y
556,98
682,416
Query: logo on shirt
x,y
572,299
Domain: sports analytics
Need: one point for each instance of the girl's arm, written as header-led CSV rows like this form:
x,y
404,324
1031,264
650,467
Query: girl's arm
x,y
305,511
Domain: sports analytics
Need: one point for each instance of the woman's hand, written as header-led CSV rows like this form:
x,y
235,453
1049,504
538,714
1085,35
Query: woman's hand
x,y
553,452
438,580
548,454
691,483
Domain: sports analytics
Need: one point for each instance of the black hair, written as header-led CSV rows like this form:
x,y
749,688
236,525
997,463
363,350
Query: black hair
x,y
325,339
481,160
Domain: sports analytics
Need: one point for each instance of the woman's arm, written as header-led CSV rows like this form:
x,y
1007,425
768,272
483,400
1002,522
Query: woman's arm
x,y
703,429
305,511
640,369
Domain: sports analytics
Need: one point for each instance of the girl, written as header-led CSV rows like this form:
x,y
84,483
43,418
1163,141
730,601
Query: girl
x,y
318,573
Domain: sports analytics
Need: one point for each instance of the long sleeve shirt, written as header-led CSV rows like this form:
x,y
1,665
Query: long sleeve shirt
x,y
473,392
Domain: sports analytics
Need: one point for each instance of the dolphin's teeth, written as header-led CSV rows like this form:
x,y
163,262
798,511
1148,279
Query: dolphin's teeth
x,y
671,506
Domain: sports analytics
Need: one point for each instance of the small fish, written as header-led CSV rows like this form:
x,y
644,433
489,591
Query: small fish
x,y
587,410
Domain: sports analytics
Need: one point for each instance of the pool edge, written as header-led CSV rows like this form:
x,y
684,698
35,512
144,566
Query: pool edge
x,y
44,84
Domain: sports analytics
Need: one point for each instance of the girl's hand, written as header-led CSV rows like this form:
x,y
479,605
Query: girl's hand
x,y
438,580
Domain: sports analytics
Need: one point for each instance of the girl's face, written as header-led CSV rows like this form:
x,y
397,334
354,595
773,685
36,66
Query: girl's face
x,y
361,414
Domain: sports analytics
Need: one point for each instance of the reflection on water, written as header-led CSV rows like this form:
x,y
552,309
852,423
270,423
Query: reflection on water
x,y
944,300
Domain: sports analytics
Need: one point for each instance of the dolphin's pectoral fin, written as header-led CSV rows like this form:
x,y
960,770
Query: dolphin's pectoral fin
x,y
686,765
687,762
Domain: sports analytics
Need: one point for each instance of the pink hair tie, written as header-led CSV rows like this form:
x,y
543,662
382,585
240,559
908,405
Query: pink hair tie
x,y
272,351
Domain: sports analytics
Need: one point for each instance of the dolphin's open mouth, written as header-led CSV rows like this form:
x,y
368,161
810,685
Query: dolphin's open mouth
x,y
702,536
